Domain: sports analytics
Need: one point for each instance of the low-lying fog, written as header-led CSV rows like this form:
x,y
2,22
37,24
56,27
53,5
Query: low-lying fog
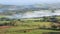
x,y
36,14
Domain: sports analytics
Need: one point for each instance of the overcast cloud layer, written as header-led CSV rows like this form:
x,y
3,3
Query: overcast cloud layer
x,y
26,2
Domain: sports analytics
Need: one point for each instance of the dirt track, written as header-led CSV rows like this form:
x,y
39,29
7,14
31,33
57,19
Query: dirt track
x,y
5,26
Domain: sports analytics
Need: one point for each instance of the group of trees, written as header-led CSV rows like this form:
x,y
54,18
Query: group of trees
x,y
8,22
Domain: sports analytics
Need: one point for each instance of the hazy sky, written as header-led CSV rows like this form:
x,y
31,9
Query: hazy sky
x,y
26,2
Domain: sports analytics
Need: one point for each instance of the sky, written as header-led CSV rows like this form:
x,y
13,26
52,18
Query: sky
x,y
27,2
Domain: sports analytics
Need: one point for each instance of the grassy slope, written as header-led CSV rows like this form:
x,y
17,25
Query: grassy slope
x,y
28,26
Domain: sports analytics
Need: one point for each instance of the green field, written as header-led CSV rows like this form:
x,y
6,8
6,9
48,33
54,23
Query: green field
x,y
24,26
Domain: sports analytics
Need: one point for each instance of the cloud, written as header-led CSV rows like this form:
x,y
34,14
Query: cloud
x,y
27,1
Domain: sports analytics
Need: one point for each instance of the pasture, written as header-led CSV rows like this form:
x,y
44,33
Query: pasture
x,y
27,28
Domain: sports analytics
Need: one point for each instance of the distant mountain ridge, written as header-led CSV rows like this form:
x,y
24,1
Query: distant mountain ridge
x,y
15,9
